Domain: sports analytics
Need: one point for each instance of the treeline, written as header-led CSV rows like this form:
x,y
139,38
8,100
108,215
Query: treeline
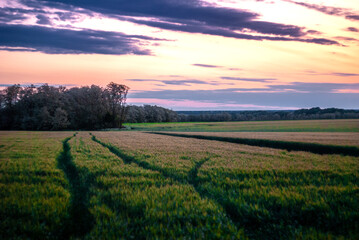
x,y
302,114
57,108
150,114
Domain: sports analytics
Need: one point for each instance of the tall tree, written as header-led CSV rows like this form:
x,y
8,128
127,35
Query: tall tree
x,y
117,96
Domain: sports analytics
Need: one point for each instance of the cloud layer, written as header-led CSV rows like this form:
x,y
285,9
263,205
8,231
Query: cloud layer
x,y
286,96
334,11
190,16
65,41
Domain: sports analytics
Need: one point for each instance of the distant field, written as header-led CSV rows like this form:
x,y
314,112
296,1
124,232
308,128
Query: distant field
x,y
333,138
136,185
341,125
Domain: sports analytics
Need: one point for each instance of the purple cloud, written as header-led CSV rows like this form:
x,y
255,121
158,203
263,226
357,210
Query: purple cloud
x,y
206,65
334,11
352,29
64,41
249,79
193,16
183,82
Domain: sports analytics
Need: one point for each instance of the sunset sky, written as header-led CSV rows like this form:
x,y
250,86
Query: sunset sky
x,y
189,54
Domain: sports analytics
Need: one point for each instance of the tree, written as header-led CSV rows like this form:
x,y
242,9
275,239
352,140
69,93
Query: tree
x,y
117,96
60,120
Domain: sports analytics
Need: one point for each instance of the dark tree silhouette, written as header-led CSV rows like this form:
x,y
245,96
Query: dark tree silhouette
x,y
117,94
57,108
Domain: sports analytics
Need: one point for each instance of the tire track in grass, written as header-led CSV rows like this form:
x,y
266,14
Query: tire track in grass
x,y
192,179
80,220
286,145
229,207
127,159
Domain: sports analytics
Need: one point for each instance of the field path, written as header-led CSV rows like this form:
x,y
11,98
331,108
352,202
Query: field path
x,y
192,178
80,220
286,145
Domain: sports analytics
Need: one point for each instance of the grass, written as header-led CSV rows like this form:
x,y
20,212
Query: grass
x,y
286,145
131,199
137,185
268,192
34,195
341,125
80,221
326,138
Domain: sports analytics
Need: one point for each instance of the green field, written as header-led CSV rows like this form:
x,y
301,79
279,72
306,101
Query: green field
x,y
341,125
138,185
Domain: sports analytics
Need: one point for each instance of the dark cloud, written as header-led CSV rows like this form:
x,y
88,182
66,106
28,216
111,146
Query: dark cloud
x,y
185,82
43,20
334,11
352,17
224,32
315,32
64,41
206,65
8,15
352,29
193,16
345,74
249,79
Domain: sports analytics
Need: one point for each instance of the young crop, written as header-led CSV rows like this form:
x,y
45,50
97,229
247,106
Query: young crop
x,y
271,193
135,185
34,196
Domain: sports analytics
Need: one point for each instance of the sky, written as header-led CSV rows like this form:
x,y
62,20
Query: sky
x,y
189,54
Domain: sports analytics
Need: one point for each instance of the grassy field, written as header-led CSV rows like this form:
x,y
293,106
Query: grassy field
x,y
138,185
34,196
341,125
331,138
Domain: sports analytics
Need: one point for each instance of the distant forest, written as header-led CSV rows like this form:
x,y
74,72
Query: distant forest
x,y
57,108
302,114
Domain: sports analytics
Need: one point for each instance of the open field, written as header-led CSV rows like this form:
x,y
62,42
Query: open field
x,y
137,185
341,125
334,138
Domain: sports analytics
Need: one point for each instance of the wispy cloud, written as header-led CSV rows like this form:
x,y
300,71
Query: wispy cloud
x,y
4,85
345,74
202,105
183,82
206,65
352,29
334,11
281,99
337,74
215,66
249,79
